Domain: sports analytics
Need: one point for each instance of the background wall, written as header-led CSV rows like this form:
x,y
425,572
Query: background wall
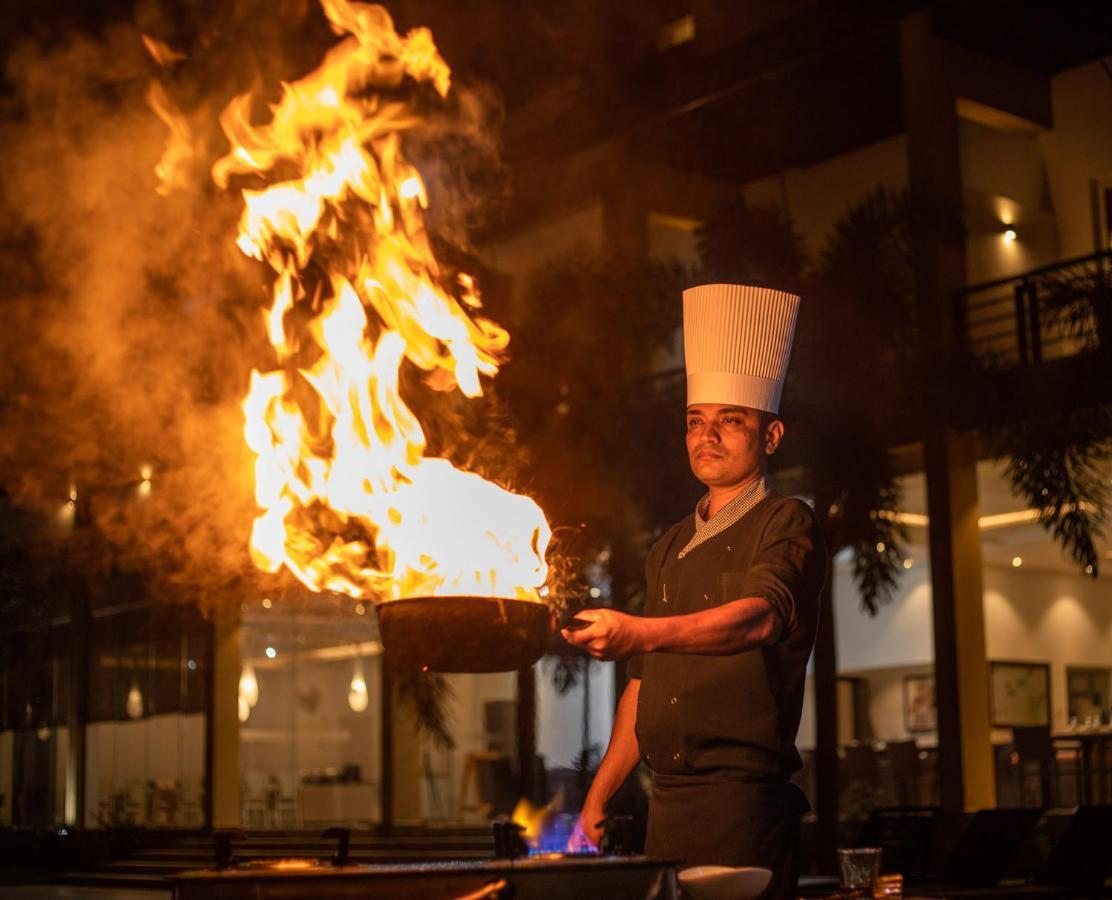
x,y
818,196
1031,615
1052,617
1077,150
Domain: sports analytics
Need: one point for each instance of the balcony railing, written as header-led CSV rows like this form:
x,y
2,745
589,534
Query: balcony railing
x,y
1053,312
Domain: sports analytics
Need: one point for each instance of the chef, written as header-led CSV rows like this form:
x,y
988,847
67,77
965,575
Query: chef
x,y
719,657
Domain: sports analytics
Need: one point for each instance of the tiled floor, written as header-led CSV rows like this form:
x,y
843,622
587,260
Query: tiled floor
x,y
71,892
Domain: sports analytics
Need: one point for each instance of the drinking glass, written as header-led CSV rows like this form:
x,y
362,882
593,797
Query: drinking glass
x,y
860,866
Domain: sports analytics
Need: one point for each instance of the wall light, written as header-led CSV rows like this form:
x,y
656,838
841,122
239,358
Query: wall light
x,y
908,563
1010,237
134,701
249,685
357,690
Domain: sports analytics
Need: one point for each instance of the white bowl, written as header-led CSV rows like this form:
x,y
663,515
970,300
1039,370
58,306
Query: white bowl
x,y
723,882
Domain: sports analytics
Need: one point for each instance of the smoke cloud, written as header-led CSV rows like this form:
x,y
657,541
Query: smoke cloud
x,y
131,319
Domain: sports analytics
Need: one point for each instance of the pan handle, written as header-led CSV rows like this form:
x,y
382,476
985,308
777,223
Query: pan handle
x,y
494,890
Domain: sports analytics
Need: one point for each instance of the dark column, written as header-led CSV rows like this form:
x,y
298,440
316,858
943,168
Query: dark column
x,y
826,727
77,713
527,733
386,776
224,769
209,687
961,672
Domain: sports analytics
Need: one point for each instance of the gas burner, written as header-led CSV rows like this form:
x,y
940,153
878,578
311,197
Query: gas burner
x,y
509,843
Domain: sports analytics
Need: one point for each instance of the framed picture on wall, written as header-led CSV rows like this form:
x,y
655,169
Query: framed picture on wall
x,y
1020,693
920,708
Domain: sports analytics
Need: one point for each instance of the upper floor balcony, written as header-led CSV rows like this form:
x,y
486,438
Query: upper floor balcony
x,y
1040,319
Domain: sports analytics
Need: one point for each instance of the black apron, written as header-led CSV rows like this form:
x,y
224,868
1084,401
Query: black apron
x,y
701,822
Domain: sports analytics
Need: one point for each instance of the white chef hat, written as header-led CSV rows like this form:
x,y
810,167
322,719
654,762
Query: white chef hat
x,y
736,343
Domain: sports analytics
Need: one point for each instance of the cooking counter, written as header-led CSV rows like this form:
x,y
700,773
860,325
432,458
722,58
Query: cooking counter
x,y
568,878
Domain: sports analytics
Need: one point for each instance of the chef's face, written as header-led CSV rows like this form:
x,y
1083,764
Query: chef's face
x,y
728,445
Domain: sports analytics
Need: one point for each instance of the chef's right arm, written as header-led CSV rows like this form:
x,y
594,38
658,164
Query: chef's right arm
x,y
622,756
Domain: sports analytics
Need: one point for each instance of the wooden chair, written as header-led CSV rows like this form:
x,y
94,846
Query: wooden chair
x,y
859,773
252,798
479,778
1036,770
287,805
903,766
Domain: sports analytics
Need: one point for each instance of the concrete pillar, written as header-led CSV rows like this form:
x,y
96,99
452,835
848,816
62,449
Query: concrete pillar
x,y
223,773
961,670
966,775
77,713
826,720
526,722
406,774
386,736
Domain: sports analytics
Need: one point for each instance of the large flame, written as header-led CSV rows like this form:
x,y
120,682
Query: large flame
x,y
349,501
540,825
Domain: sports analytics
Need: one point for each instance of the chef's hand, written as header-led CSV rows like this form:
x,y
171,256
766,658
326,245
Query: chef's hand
x,y
611,634
587,832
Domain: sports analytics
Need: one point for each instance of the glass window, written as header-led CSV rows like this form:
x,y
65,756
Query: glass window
x,y
145,738
310,713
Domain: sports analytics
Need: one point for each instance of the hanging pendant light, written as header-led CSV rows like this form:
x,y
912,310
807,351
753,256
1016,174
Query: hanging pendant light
x,y
357,690
134,701
249,685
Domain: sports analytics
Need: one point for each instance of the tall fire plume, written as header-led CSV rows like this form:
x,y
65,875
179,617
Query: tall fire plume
x,y
349,500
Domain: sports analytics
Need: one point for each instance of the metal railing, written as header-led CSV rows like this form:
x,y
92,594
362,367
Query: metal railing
x,y
1055,311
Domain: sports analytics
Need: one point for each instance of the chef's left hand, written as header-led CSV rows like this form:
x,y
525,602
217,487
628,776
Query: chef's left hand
x,y
611,634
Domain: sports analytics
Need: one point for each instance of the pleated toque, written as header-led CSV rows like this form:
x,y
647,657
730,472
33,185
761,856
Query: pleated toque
x,y
736,342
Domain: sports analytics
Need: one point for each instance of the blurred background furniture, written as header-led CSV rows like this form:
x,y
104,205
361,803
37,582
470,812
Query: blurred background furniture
x,y
900,762
986,847
906,836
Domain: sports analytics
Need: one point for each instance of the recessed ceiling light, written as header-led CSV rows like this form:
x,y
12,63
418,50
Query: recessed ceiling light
x,y
1017,561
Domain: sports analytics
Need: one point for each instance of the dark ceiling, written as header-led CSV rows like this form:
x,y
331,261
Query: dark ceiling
x,y
570,74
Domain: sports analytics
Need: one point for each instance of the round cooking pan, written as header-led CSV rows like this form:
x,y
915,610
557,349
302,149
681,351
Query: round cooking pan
x,y
465,634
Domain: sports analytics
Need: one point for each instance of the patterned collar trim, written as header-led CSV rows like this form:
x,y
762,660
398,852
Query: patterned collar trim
x,y
729,515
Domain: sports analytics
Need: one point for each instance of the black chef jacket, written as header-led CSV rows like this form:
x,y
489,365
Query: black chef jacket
x,y
718,732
